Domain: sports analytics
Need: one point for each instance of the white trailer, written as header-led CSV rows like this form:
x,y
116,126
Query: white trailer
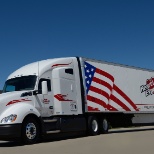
x,y
74,94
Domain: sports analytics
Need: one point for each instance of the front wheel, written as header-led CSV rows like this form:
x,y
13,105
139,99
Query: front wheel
x,y
30,131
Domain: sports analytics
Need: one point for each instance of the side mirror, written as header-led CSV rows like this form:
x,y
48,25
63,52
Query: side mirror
x,y
44,88
35,92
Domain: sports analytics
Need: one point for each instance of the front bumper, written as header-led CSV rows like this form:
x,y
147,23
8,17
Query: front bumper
x,y
10,132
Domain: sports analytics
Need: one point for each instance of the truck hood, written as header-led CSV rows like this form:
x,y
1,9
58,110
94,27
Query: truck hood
x,y
10,98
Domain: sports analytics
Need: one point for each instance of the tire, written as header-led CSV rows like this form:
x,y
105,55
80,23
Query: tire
x,y
30,131
104,126
93,126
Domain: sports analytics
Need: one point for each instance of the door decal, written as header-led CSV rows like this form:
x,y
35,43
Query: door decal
x,y
62,98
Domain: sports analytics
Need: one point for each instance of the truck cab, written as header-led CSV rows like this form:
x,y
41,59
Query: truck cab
x,y
39,98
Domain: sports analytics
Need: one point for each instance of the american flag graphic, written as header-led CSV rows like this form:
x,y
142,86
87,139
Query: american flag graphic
x,y
103,94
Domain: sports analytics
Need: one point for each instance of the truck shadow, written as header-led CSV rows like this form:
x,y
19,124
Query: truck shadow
x,y
61,137
10,144
50,138
127,130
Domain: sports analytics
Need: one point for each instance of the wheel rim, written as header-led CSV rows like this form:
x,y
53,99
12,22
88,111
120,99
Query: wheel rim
x,y
30,131
94,125
105,125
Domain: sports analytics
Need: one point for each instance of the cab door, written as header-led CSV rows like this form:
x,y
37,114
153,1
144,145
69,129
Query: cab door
x,y
44,103
46,100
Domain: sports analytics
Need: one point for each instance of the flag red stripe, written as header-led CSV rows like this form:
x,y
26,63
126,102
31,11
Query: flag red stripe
x,y
116,100
99,91
96,100
125,97
101,72
102,83
111,108
92,109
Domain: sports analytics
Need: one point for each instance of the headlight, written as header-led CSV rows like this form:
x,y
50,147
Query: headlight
x,y
10,118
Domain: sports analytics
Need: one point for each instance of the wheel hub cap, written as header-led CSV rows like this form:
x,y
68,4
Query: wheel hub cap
x,y
94,125
105,125
30,131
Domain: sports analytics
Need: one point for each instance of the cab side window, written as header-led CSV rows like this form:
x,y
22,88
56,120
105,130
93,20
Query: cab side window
x,y
69,71
48,85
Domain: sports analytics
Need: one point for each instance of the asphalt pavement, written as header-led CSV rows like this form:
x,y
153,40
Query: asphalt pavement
x,y
117,141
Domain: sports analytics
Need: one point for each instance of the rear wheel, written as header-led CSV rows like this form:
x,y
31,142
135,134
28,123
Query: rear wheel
x,y
104,126
30,131
93,126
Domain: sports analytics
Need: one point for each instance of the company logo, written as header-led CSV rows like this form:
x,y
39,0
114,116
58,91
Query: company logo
x,y
46,101
148,88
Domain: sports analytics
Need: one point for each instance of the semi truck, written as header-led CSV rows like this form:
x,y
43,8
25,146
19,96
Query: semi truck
x,y
74,94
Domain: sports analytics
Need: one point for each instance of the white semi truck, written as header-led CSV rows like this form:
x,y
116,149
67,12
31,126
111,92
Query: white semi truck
x,y
74,94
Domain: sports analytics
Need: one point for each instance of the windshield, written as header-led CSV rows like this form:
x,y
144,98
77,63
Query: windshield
x,y
20,83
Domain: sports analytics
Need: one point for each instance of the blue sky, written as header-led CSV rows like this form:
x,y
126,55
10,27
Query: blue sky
x,y
119,31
